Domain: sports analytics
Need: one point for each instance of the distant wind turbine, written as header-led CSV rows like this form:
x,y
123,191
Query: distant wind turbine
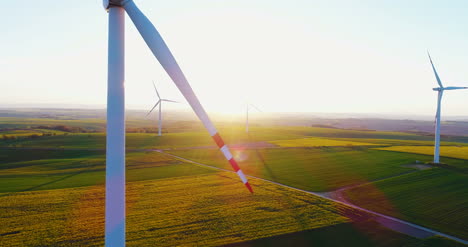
x,y
247,115
440,91
159,102
115,142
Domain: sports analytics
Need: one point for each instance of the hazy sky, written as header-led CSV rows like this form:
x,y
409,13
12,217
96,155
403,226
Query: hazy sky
x,y
299,56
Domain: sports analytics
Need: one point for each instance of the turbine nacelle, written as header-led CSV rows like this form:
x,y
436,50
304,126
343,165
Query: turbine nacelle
x,y
108,3
448,88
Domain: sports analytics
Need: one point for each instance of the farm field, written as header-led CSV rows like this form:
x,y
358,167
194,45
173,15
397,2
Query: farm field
x,y
460,152
18,122
436,198
216,211
187,134
27,132
316,169
144,140
397,142
81,168
327,169
319,142
314,159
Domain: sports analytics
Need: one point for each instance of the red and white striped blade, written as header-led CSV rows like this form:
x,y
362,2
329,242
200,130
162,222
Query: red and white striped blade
x,y
162,53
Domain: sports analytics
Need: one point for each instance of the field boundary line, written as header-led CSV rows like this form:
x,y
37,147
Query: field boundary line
x,y
324,197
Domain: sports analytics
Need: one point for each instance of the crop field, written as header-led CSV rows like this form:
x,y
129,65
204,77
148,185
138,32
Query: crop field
x,y
28,132
145,140
314,169
436,198
326,169
460,152
232,134
14,122
359,134
318,142
396,142
205,210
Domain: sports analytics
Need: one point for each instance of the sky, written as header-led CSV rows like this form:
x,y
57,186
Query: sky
x,y
325,56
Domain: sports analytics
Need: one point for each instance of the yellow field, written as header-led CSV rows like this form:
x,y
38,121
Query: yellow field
x,y
206,210
319,142
446,151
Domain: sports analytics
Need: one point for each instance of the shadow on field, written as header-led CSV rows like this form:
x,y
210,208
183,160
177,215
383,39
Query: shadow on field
x,y
301,219
51,182
325,236
346,235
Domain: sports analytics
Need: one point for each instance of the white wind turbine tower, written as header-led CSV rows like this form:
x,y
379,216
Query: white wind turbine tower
x,y
115,149
247,115
440,91
159,102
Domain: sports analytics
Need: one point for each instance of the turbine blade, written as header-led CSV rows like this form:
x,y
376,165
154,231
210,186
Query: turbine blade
x,y
168,100
256,108
435,71
162,53
154,85
455,88
159,101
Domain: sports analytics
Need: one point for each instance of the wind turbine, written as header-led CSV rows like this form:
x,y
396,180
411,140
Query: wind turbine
x,y
247,115
159,102
115,149
440,91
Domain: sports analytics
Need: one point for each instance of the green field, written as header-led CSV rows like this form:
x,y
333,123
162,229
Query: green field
x,y
14,122
145,140
319,142
460,152
316,169
326,169
402,142
81,168
436,198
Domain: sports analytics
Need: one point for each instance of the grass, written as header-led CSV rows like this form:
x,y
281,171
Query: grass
x,y
460,152
435,198
314,169
206,210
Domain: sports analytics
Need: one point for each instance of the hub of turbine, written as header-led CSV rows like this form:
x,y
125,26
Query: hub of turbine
x,y
437,89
